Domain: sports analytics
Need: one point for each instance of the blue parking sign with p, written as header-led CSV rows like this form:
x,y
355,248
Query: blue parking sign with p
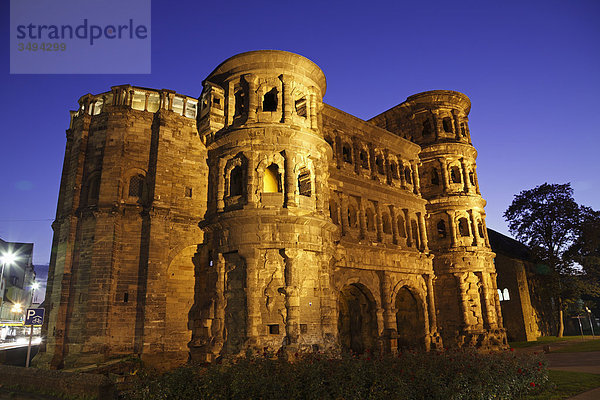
x,y
34,316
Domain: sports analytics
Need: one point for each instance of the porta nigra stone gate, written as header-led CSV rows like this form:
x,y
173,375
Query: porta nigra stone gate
x,y
256,216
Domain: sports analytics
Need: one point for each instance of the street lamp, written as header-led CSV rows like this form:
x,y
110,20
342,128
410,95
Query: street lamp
x,y
34,287
589,313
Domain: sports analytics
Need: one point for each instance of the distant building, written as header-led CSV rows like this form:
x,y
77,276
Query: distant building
x,y
16,285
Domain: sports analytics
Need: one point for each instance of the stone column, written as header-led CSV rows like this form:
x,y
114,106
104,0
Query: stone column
x,y
401,172
252,97
474,228
465,174
185,100
415,174
362,219
253,293
452,224
292,296
252,179
485,232
409,237
287,98
423,232
378,223
429,278
313,110
131,98
456,120
389,319
395,233
344,212
290,180
476,180
220,184
493,277
489,321
436,128
230,102
445,177
146,97
461,283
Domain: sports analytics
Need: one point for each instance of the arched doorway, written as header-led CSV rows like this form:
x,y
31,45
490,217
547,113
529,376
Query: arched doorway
x,y
357,319
410,321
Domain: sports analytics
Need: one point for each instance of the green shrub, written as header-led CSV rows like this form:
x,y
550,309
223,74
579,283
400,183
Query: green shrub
x,y
448,375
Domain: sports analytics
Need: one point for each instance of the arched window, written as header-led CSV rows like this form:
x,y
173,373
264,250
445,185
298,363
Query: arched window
x,y
300,105
380,165
401,226
447,123
304,185
370,220
272,179
270,100
463,227
435,178
347,153
352,217
505,294
136,186
407,175
394,170
240,102
441,229
364,159
455,174
387,223
236,181
500,295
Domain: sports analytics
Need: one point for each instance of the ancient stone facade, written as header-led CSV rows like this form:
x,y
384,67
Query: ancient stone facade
x,y
259,217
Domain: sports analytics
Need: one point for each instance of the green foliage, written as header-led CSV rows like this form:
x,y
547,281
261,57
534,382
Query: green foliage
x,y
565,384
452,375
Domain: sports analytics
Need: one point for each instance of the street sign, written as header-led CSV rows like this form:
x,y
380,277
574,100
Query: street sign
x,y
34,316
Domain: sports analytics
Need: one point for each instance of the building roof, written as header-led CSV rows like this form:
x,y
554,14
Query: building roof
x,y
502,244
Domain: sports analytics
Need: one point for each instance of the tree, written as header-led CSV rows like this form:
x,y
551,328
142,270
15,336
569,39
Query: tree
x,y
547,219
585,250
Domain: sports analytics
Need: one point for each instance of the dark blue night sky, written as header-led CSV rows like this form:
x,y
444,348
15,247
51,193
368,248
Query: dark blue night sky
x,y
531,69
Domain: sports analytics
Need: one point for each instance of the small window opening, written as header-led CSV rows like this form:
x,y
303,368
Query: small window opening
x,y
303,328
333,212
125,297
273,329
347,153
301,107
364,159
441,229
236,179
216,100
472,178
463,227
387,223
370,220
401,226
240,102
415,232
352,217
427,130
505,294
500,295
394,170
93,191
447,123
380,165
270,100
188,192
480,229
407,175
136,186
435,178
463,129
455,175
272,179
304,184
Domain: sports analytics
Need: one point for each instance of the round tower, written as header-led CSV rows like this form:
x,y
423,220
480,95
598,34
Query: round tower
x,y
464,263
262,273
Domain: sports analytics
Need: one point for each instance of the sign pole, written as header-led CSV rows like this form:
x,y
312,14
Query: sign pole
x,y
29,347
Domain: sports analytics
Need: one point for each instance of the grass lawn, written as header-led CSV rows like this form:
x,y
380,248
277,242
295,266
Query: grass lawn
x,y
577,347
548,340
567,384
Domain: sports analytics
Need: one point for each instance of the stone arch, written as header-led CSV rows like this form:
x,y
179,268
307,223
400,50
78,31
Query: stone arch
x,y
180,283
357,319
273,161
127,179
371,219
353,213
410,318
386,221
235,176
91,189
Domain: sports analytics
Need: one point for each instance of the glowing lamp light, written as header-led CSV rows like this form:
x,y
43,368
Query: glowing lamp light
x,y
17,308
8,258
35,286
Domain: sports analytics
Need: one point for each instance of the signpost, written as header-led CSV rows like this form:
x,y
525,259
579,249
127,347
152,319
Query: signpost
x,y
33,317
